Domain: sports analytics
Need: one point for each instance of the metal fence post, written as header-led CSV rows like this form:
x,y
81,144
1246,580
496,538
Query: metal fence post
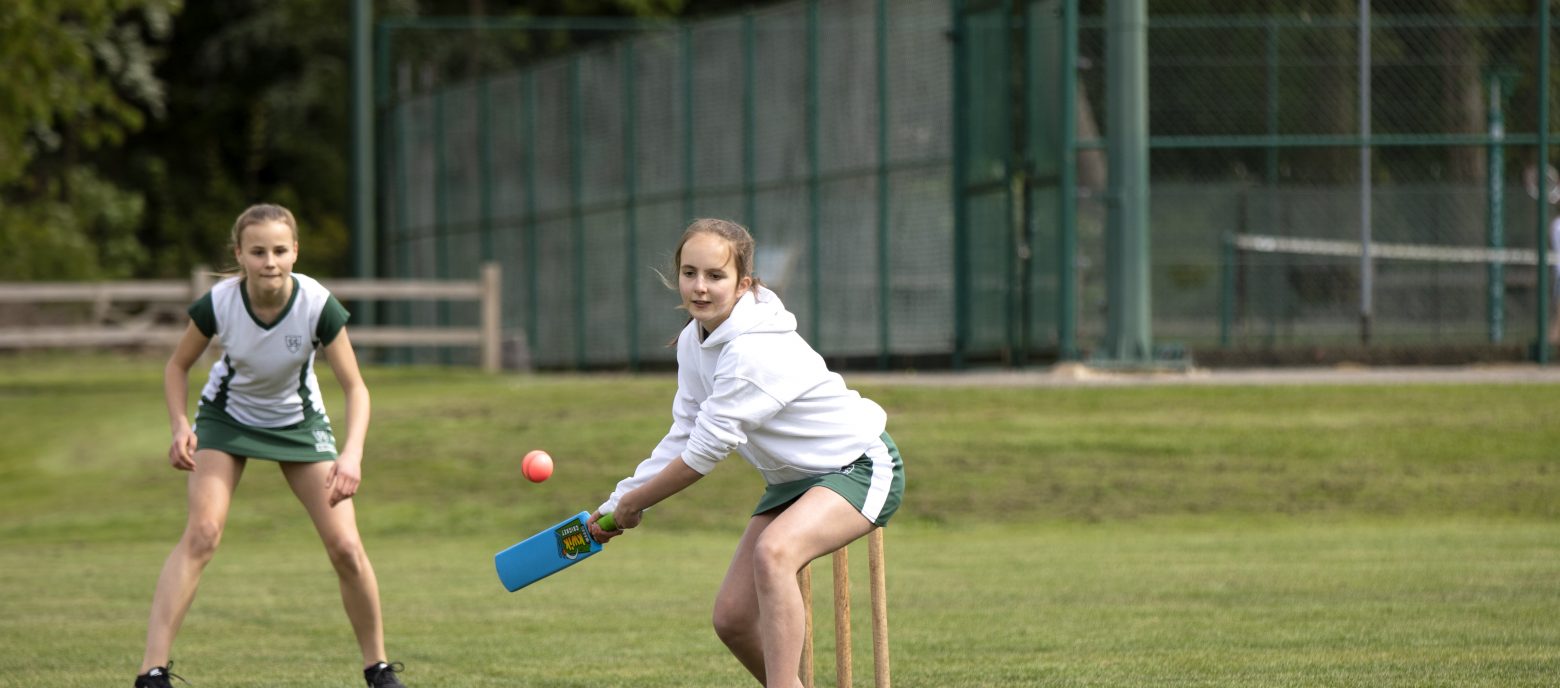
x,y
365,227
576,199
1128,325
1067,193
631,201
440,212
686,36
814,192
533,317
485,165
885,274
749,120
1542,346
961,276
1495,230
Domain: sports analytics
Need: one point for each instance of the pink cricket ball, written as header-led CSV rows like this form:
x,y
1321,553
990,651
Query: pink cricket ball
x,y
537,465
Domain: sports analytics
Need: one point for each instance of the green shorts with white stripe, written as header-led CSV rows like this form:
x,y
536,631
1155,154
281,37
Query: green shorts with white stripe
x,y
874,484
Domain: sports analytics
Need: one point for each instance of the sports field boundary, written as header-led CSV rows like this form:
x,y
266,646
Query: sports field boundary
x,y
1079,375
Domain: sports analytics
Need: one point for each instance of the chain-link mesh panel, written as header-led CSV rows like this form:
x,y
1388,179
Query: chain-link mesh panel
x,y
574,155
599,106
1256,131
659,114
578,169
781,161
660,224
558,310
607,281
920,211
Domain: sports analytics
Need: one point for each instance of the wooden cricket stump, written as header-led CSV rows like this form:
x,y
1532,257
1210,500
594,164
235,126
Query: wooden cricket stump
x,y
878,587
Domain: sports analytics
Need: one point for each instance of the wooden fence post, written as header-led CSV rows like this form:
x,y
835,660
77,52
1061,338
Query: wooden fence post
x,y
492,316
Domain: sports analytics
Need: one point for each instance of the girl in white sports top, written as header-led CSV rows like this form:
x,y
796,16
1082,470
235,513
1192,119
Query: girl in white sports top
x,y
747,382
263,402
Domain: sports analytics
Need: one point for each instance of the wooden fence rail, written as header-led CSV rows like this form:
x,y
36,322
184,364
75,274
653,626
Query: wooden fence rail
x,y
108,328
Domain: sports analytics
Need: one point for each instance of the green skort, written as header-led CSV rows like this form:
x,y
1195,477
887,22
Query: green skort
x,y
308,441
874,484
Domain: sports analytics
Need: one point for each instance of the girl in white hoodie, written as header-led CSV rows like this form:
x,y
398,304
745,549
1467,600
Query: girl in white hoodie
x,y
747,382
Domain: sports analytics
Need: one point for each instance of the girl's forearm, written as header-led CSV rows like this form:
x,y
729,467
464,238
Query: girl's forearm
x,y
357,420
674,478
176,391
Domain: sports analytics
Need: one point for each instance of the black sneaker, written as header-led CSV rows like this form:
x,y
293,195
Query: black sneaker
x,y
157,677
382,675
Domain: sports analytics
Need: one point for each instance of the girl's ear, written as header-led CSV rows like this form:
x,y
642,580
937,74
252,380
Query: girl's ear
x,y
744,285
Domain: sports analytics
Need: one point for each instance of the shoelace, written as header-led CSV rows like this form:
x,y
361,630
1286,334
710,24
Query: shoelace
x,y
169,669
382,667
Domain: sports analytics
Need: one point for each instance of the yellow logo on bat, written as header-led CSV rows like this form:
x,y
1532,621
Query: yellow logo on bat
x,y
573,539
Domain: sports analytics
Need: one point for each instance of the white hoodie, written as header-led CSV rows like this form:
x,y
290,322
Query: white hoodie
x,y
756,387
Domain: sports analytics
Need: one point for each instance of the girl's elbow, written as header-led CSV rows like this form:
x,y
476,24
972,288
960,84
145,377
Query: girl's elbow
x,y
177,367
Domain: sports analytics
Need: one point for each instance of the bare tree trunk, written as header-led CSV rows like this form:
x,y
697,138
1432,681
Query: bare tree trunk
x,y
1091,163
1464,86
476,58
1336,96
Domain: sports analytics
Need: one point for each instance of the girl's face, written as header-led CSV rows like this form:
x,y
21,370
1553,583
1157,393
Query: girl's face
x,y
707,280
266,253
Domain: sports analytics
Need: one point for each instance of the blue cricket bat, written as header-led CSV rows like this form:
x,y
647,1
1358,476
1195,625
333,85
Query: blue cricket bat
x,y
565,544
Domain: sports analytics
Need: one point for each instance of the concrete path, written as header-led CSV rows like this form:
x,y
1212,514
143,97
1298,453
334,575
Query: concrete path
x,y
1079,375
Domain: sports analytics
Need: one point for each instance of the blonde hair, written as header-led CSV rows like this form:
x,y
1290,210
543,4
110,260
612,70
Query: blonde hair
x,y
253,215
738,240
258,213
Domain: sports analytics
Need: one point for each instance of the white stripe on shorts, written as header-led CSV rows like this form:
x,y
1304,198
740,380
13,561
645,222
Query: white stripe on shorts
x,y
882,480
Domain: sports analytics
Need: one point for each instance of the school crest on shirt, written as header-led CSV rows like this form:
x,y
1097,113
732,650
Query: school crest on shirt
x,y
294,342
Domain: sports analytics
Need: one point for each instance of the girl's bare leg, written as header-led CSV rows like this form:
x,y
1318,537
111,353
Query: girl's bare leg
x,y
338,531
736,605
818,523
211,487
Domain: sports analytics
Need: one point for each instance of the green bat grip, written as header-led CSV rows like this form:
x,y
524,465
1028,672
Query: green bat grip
x,y
606,522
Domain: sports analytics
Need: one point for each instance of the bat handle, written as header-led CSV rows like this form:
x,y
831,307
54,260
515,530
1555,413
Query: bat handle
x,y
606,522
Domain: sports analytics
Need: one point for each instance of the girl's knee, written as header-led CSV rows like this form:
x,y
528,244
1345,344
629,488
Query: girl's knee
x,y
734,623
201,537
775,556
347,556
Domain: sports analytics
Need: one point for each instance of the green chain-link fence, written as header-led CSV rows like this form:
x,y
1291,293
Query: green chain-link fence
x,y
927,185
1257,140
822,126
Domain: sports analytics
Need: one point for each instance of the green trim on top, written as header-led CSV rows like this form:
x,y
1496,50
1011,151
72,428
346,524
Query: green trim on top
x,y
220,400
305,371
243,290
333,318
204,314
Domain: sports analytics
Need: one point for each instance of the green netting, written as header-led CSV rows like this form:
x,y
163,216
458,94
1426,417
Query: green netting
x,y
902,167
577,169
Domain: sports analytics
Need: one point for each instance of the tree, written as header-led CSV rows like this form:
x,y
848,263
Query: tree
x,y
79,79
258,110
132,132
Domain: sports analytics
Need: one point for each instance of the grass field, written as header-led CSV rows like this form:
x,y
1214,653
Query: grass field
x,y
1122,536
